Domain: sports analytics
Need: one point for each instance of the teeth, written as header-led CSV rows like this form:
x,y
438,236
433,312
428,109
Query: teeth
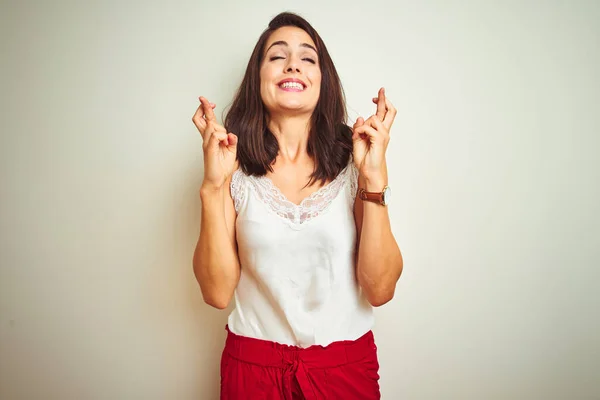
x,y
294,85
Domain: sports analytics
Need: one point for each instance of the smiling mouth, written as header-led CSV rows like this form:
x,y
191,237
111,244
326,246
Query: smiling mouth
x,y
292,86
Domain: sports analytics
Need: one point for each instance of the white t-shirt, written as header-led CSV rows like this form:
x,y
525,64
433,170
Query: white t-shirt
x,y
298,282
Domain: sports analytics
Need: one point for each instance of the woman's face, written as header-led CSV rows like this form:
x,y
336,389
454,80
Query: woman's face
x,y
290,75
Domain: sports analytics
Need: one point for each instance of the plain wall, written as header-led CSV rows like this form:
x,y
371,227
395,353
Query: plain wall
x,y
493,167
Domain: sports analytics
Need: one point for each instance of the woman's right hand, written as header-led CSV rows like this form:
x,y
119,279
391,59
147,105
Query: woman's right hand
x,y
219,147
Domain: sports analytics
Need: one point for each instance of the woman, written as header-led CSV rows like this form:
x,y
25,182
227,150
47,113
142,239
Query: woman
x,y
295,225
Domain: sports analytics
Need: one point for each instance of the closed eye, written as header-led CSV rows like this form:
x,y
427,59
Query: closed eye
x,y
310,60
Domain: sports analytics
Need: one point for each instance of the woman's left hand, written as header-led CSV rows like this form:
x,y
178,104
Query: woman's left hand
x,y
370,140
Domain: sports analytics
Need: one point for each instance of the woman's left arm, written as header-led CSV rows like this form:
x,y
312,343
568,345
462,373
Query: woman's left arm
x,y
379,260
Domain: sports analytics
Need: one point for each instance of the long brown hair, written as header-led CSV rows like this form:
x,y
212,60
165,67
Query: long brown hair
x,y
330,139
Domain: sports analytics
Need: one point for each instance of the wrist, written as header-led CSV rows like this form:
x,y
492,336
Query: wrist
x,y
208,190
375,184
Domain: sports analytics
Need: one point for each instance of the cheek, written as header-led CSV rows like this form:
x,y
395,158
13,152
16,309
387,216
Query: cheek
x,y
316,81
264,83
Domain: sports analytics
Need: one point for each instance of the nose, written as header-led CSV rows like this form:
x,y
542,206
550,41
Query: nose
x,y
293,65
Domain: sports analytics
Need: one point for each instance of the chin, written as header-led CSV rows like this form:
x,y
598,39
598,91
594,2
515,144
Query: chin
x,y
298,108
294,104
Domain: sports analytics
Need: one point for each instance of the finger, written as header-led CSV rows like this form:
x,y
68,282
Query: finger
x,y
371,132
390,114
216,138
213,128
376,123
209,115
381,104
359,122
199,121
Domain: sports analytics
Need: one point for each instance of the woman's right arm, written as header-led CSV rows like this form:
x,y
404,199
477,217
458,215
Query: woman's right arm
x,y
216,263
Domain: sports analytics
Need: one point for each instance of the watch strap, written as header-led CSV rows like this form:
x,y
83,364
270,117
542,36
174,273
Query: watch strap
x,y
376,197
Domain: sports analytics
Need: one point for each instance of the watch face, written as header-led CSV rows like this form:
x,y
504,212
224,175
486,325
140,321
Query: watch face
x,y
387,195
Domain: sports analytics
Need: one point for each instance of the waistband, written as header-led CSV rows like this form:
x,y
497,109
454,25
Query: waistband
x,y
273,354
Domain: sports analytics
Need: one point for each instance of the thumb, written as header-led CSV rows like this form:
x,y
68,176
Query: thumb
x,y
216,138
233,140
359,122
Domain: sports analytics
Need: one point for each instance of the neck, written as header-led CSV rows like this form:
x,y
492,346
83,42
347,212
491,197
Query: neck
x,y
292,135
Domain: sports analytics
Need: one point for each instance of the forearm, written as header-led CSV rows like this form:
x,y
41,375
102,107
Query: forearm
x,y
379,263
216,265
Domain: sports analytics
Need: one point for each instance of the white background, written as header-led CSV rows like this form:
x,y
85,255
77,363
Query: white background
x,y
493,164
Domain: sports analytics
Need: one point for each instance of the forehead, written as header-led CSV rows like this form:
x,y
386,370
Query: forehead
x,y
294,36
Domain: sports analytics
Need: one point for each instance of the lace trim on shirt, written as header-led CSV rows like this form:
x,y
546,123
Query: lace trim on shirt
x,y
237,189
310,207
353,180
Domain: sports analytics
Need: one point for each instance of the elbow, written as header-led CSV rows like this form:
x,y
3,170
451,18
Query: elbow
x,y
378,295
215,296
219,304
380,291
380,298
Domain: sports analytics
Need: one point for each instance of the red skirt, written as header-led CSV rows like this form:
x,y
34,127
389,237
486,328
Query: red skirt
x,y
259,369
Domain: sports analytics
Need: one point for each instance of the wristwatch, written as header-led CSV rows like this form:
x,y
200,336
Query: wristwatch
x,y
382,197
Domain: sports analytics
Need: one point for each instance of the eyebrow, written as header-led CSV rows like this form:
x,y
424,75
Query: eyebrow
x,y
284,43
